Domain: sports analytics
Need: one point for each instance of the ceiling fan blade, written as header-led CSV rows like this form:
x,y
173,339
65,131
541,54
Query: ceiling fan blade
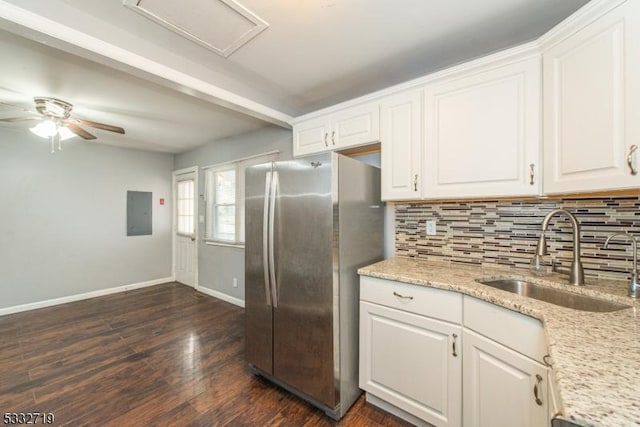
x,y
6,104
20,119
100,126
78,130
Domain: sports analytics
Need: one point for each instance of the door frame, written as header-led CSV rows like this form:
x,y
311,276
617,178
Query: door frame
x,y
196,186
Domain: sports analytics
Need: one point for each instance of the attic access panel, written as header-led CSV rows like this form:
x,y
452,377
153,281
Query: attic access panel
x,y
222,26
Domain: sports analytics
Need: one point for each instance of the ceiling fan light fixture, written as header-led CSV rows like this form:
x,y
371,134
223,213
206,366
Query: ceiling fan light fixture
x,y
49,128
65,133
45,129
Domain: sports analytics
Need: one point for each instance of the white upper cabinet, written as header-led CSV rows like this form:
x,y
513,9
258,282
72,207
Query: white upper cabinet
x,y
356,126
343,129
401,145
483,132
311,136
592,103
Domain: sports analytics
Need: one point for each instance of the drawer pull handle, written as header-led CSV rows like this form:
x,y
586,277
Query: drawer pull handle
x,y
532,173
535,389
455,337
333,137
402,296
547,360
326,135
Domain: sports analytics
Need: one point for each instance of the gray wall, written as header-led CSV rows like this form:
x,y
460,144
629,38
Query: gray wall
x,y
63,218
219,265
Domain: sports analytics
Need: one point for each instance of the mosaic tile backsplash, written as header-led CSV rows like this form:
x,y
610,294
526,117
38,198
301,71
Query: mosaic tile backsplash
x,y
506,232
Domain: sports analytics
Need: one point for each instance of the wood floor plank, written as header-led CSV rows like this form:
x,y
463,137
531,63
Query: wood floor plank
x,y
163,355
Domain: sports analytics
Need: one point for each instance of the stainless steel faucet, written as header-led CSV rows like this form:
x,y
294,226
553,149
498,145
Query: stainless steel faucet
x,y
634,288
576,273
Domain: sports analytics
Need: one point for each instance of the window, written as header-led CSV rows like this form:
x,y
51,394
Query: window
x,y
225,199
224,204
184,217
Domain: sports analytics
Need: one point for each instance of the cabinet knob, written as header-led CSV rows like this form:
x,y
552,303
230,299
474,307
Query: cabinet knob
x,y
535,389
631,160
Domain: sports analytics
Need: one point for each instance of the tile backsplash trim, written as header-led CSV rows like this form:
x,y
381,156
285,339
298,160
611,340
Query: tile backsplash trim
x,y
506,232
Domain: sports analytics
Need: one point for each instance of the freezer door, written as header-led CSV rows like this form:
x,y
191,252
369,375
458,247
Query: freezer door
x,y
304,241
258,303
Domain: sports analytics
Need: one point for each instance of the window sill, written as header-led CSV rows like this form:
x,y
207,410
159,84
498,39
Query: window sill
x,y
224,245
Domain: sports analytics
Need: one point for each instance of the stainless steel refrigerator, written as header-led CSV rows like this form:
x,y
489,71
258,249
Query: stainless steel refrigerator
x,y
310,223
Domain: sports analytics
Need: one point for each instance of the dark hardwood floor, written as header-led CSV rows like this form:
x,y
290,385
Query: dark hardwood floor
x,y
164,355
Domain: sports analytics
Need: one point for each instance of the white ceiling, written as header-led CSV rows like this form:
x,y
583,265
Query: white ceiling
x,y
315,53
154,118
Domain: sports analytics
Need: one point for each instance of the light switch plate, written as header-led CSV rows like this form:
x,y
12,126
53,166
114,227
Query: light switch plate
x,y
431,227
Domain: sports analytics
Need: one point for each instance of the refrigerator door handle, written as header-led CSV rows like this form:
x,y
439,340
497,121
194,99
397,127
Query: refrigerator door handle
x,y
272,211
265,236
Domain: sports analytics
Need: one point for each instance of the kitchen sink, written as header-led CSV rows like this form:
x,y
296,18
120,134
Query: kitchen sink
x,y
553,295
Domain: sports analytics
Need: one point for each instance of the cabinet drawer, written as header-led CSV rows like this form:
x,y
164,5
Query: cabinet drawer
x,y
435,303
521,333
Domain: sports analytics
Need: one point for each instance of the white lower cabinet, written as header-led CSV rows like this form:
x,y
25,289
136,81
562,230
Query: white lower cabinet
x,y
422,362
409,361
502,388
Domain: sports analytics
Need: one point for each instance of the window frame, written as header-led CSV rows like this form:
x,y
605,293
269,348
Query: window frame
x,y
238,166
193,207
210,231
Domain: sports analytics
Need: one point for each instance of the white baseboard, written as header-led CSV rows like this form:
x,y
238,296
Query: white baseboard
x,y
78,297
220,295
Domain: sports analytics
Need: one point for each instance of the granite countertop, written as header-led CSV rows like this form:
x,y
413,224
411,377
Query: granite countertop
x,y
595,357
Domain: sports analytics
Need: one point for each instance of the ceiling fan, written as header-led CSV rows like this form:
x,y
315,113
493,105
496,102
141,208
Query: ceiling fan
x,y
56,122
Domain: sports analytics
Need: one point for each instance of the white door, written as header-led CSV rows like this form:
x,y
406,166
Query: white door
x,y
592,105
311,136
355,126
185,223
412,362
483,133
502,388
401,144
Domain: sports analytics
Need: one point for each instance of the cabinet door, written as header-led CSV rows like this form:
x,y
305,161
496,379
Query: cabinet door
x,y
592,104
483,133
407,360
311,136
401,144
500,386
356,126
